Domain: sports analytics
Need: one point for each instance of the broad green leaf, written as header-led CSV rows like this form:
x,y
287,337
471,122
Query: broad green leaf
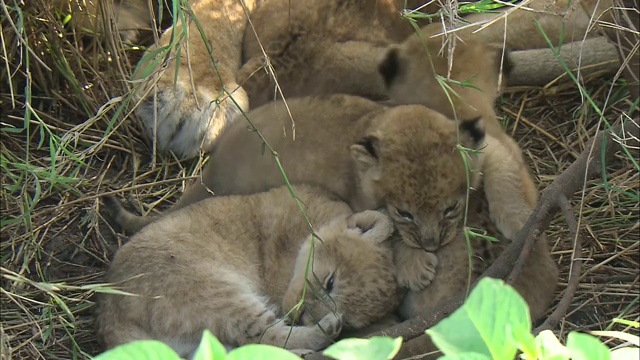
x,y
626,353
549,347
140,350
375,348
210,348
586,347
465,356
260,352
486,322
524,340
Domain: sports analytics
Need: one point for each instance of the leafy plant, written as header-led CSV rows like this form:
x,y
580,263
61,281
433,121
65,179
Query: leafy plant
x,y
210,348
375,348
494,323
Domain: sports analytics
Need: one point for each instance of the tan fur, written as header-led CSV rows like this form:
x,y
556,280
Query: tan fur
x,y
191,108
236,265
333,139
332,148
500,201
557,18
318,47
411,144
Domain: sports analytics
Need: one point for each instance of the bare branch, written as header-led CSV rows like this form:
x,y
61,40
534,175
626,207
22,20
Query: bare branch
x,y
529,243
576,267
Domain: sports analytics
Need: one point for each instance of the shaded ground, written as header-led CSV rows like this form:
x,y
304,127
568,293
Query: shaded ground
x,y
55,246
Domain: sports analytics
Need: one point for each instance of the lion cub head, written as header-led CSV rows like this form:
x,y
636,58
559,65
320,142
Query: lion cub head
x,y
350,271
421,164
460,82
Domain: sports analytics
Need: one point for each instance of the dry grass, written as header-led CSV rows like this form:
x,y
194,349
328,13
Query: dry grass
x,y
58,156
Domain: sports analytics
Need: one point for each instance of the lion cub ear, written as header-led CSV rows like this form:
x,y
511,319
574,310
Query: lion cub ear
x,y
373,225
390,67
365,155
474,129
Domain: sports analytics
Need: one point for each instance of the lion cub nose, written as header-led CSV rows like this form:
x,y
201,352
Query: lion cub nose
x,y
430,244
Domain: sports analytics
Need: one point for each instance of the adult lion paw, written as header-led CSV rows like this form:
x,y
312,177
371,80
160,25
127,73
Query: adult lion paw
x,y
184,121
415,268
196,93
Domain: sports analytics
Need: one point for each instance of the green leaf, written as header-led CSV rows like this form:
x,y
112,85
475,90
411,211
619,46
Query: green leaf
x,y
260,352
465,356
140,350
525,342
485,324
549,347
375,348
210,348
586,347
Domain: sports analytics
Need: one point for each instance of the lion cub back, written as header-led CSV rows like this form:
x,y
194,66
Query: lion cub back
x,y
318,47
312,145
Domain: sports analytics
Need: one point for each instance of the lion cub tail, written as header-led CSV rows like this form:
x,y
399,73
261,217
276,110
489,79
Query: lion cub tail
x,y
122,218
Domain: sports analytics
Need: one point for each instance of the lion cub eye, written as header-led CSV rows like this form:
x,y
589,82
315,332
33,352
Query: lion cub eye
x,y
328,286
404,214
451,211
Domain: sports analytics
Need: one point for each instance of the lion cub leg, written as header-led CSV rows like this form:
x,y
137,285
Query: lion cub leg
x,y
511,197
193,100
299,339
509,187
261,325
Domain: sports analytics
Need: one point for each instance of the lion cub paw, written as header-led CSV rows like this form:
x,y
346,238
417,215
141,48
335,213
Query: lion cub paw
x,y
415,268
186,122
318,336
331,325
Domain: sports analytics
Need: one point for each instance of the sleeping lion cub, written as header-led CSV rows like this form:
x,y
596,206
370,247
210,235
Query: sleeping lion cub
x,y
236,265
501,185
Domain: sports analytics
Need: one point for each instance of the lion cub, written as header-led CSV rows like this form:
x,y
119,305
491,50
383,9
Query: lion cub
x,y
501,184
237,266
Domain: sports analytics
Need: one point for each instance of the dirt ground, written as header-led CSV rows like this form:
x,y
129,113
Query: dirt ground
x,y
59,156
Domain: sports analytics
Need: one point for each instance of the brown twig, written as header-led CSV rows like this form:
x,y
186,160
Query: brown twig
x,y
576,267
529,243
